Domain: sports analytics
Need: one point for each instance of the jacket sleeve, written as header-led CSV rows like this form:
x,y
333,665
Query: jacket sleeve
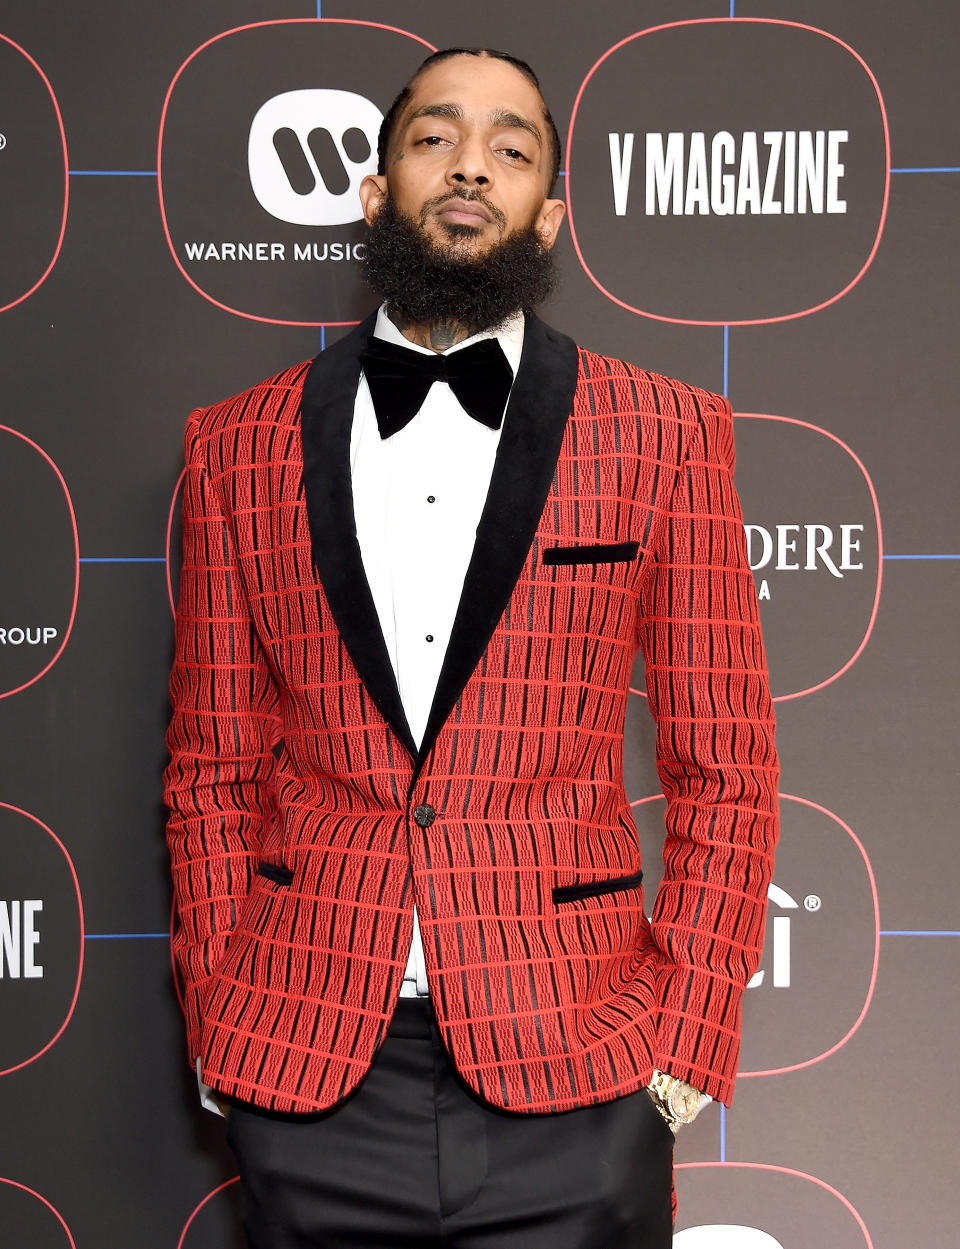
x,y
225,718
709,694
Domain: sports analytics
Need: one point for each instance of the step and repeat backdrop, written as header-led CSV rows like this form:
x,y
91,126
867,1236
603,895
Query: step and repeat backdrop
x,y
763,199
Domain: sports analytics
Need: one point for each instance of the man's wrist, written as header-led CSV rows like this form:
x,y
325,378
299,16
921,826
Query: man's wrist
x,y
677,1101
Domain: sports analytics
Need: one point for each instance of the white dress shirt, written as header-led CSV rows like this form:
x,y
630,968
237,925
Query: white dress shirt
x,y
417,499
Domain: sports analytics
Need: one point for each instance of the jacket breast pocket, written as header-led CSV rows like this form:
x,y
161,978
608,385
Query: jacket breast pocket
x,y
597,888
597,553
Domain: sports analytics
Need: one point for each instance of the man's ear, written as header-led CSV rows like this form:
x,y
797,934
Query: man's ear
x,y
373,195
548,221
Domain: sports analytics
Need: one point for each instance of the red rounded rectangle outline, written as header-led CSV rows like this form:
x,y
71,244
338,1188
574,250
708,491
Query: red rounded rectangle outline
x,y
283,21
871,622
5,429
703,21
6,806
201,1204
799,1175
872,619
32,1192
66,178
872,983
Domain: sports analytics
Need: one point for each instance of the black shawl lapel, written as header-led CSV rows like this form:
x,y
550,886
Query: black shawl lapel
x,y
540,403
329,396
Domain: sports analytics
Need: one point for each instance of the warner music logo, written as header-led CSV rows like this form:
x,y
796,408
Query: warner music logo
x,y
275,251
724,1236
308,152
765,172
266,134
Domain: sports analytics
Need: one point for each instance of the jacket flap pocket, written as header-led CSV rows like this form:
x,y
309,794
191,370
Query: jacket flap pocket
x,y
273,871
595,888
601,553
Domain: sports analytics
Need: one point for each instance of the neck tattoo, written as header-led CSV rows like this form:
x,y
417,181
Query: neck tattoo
x,y
438,336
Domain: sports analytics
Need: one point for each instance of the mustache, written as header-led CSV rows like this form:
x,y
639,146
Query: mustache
x,y
471,195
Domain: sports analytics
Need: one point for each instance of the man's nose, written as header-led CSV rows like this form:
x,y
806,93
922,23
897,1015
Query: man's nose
x,y
472,164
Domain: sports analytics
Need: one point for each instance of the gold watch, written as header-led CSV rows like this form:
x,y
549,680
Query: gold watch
x,y
677,1101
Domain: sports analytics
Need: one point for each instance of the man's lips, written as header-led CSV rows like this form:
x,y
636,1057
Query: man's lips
x,y
465,212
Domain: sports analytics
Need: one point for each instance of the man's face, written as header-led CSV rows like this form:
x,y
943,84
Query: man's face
x,y
469,160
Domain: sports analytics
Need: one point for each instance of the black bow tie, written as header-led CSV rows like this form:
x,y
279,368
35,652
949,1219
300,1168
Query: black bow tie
x,y
399,379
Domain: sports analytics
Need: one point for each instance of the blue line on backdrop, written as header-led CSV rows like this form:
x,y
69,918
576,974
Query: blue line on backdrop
x,y
323,338
917,932
929,169
123,936
726,359
123,559
723,1119
921,557
733,8
113,173
319,8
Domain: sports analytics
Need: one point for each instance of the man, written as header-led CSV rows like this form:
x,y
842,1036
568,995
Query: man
x,y
418,973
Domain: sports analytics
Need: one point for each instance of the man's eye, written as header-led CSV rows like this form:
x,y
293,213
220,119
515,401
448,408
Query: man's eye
x,y
432,140
513,153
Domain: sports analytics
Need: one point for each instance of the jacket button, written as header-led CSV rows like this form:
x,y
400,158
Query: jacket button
x,y
424,815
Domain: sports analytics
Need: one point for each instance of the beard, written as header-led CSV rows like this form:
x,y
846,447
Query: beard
x,y
425,283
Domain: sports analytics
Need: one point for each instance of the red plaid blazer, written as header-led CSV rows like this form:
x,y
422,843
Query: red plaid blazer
x,y
304,824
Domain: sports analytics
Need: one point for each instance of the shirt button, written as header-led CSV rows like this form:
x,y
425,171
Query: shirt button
x,y
424,815
429,637
431,498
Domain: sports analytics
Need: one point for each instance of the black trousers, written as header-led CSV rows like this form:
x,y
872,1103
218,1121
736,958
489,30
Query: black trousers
x,y
413,1159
